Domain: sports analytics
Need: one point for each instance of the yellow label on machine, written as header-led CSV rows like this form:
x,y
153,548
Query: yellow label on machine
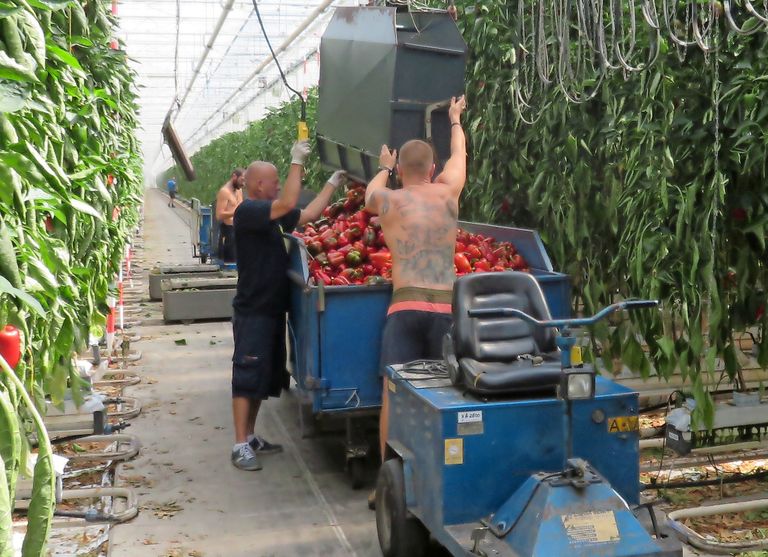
x,y
576,359
621,424
303,131
454,451
592,527
391,385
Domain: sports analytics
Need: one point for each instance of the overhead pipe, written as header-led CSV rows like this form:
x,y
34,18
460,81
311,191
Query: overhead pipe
x,y
266,88
268,59
208,47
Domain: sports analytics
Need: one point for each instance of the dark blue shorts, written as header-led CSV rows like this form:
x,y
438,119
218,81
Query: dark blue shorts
x,y
413,335
258,363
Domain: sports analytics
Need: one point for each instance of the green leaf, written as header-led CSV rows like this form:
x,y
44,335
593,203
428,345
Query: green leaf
x,y
7,9
180,342
50,4
35,36
13,70
14,95
29,301
64,56
84,207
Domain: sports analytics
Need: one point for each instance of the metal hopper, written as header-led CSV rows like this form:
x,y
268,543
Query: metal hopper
x,y
386,76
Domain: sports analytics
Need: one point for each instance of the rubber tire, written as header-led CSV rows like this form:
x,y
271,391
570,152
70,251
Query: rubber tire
x,y
400,535
357,472
203,259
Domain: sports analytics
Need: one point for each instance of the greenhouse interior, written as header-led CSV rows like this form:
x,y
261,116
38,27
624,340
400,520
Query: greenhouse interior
x,y
399,278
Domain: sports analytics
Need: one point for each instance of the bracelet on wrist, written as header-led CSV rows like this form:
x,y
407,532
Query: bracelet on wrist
x,y
385,169
455,124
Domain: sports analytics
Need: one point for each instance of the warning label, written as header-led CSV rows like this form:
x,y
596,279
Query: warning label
x,y
594,527
454,451
623,423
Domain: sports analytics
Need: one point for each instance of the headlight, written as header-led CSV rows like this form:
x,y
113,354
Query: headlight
x,y
577,385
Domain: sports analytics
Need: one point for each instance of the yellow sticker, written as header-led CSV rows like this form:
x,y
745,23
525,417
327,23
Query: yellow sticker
x,y
391,385
454,451
621,424
576,359
593,527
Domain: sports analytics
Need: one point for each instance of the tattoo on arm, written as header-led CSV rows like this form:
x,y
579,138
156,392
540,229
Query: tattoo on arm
x,y
380,200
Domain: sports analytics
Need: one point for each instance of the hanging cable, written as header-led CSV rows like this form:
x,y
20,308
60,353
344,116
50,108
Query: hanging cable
x,y
303,130
176,53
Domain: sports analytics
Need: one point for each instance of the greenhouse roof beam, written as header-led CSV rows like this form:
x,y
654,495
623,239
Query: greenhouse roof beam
x,y
268,60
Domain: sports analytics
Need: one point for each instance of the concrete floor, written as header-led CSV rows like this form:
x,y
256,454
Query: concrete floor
x,y
193,501
299,504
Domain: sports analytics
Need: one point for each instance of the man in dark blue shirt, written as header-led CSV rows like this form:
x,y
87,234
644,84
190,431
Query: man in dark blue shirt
x,y
261,301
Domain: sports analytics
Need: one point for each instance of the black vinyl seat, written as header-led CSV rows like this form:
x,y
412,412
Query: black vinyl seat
x,y
505,355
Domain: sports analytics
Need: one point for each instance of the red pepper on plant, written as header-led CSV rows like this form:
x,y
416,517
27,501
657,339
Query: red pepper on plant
x,y
10,345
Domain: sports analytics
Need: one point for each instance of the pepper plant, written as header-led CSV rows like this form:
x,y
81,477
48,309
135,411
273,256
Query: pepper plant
x,y
268,139
653,189
70,188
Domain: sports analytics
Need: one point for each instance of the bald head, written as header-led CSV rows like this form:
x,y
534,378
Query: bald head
x,y
416,159
261,180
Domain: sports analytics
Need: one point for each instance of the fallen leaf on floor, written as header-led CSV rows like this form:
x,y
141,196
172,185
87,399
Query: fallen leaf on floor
x,y
149,542
195,553
212,342
180,342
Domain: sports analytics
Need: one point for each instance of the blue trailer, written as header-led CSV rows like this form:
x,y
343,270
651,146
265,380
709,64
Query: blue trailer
x,y
335,334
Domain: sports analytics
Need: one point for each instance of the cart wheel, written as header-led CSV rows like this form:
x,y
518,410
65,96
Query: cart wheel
x,y
400,535
203,259
357,472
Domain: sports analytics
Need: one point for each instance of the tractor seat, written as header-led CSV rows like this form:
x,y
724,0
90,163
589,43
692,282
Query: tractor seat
x,y
501,356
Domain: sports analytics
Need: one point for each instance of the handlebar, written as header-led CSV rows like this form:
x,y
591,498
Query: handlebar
x,y
552,323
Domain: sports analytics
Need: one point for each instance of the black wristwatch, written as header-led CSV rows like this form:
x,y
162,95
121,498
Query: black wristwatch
x,y
388,170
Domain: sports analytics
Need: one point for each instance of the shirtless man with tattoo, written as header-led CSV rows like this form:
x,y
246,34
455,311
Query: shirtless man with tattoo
x,y
420,224
229,197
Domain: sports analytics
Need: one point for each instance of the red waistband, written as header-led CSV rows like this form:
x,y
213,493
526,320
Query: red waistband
x,y
416,305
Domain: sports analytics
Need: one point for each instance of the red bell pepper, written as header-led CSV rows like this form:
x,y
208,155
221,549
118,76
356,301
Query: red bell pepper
x,y
323,277
517,262
473,252
335,258
339,281
342,241
380,259
330,243
482,266
460,247
315,247
10,345
380,240
462,263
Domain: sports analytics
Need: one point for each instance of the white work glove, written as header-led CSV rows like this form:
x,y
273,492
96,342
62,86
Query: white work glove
x,y
338,178
300,152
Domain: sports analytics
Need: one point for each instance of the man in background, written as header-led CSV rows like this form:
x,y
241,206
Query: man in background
x,y
227,200
261,302
171,192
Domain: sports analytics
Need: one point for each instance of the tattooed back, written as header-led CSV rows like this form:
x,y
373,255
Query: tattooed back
x,y
419,224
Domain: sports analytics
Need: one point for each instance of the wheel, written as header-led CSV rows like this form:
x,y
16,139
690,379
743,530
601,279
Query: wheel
x,y
204,259
357,472
400,535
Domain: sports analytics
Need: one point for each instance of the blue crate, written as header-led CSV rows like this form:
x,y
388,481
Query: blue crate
x,y
336,330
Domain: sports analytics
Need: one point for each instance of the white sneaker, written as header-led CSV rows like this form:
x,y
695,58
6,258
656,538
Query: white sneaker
x,y
244,458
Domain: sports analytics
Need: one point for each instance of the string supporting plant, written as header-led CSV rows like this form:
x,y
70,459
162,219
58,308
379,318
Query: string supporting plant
x,y
70,187
652,188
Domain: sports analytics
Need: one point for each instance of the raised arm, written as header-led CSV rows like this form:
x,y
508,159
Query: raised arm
x,y
454,173
315,208
377,194
289,196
